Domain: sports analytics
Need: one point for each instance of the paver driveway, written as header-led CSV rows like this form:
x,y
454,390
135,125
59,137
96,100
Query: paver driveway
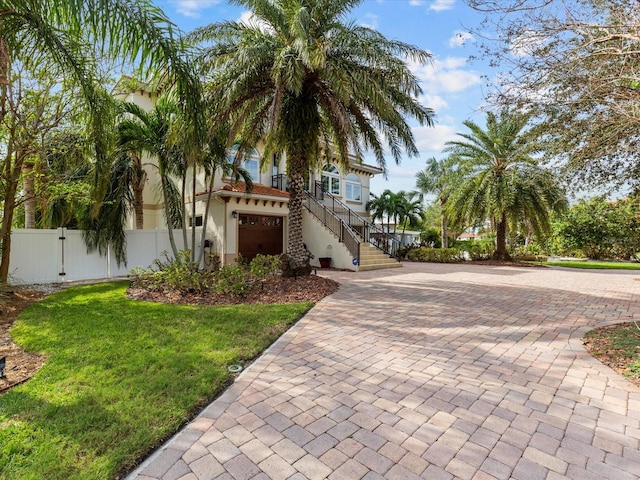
x,y
431,371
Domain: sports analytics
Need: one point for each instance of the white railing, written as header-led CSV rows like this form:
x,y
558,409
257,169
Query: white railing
x,y
54,256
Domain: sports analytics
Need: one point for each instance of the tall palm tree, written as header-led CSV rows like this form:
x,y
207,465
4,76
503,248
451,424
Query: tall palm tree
x,y
311,85
71,34
436,179
153,133
501,179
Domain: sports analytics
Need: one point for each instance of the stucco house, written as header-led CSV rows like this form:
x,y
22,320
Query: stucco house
x,y
336,224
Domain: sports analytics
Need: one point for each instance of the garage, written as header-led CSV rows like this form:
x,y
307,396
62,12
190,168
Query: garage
x,y
259,234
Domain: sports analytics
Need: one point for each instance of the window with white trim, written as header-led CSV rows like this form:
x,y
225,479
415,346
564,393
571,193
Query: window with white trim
x,y
353,188
331,179
251,162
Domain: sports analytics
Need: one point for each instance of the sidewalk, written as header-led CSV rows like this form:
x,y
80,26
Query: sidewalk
x,y
434,372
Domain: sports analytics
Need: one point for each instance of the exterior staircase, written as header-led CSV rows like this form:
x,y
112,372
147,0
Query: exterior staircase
x,y
354,231
373,259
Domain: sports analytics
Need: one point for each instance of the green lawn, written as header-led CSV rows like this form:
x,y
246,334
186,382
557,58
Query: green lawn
x,y
121,377
595,265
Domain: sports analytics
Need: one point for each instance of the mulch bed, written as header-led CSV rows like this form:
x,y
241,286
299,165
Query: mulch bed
x,y
310,288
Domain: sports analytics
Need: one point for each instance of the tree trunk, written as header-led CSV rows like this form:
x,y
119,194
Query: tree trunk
x,y
172,241
444,238
5,233
501,252
28,185
297,254
138,194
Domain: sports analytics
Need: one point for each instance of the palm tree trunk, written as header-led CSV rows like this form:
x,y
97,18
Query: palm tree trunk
x,y
444,238
501,241
28,185
172,241
297,255
203,234
138,193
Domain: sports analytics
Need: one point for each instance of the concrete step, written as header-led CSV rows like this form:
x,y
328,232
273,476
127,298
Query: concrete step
x,y
364,268
373,259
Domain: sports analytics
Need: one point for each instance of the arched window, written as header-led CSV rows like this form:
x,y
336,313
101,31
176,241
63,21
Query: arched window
x,y
352,188
251,162
331,179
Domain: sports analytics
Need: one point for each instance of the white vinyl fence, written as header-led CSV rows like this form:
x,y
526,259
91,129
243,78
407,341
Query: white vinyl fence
x,y
52,256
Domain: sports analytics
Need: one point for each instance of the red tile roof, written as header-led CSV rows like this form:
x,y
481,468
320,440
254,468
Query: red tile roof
x,y
258,189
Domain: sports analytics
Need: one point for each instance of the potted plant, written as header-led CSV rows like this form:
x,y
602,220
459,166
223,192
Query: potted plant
x,y
325,262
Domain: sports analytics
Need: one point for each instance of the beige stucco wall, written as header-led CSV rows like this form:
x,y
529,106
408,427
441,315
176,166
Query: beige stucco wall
x,y
322,243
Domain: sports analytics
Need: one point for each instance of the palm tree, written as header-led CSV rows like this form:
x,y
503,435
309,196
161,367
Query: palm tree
x,y
312,86
409,209
71,34
378,207
153,133
501,180
435,179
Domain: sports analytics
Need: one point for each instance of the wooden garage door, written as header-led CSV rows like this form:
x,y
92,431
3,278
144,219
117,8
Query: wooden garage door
x,y
259,234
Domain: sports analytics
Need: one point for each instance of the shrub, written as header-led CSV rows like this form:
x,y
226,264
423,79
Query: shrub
x,y
435,255
232,279
263,266
179,274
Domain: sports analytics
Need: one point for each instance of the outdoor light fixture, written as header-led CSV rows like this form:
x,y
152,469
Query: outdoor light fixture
x,y
234,214
3,364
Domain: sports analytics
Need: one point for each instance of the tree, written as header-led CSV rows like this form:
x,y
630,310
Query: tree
x,y
313,86
574,65
381,207
158,133
409,209
501,180
597,228
32,109
70,35
153,133
435,179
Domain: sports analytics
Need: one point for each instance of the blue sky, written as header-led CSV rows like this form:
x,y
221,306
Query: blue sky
x,y
453,86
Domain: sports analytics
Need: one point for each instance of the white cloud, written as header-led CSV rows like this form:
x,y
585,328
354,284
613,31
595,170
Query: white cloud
x,y
248,18
416,3
435,102
193,8
440,5
431,140
370,20
527,43
445,76
459,38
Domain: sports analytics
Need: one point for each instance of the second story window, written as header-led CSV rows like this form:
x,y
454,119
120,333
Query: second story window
x,y
252,165
352,188
251,162
331,179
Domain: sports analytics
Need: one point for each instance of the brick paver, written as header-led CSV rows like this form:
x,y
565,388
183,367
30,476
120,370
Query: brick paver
x,y
433,371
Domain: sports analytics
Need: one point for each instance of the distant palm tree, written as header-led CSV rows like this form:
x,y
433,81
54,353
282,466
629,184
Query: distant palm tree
x,y
501,180
313,86
436,179
409,210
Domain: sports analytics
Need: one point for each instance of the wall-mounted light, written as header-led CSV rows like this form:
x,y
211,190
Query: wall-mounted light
x,y
234,214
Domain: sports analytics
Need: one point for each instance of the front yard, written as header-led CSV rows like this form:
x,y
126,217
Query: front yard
x,y
120,377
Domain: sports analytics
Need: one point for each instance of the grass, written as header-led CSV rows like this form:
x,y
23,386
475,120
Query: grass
x,y
121,376
617,346
595,265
